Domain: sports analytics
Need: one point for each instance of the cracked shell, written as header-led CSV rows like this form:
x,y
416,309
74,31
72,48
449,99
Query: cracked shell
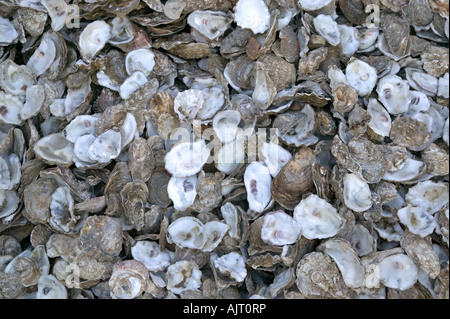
x,y
211,24
230,266
253,15
150,254
328,28
183,276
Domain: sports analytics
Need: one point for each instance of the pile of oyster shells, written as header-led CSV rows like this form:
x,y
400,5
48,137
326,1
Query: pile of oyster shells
x,y
224,149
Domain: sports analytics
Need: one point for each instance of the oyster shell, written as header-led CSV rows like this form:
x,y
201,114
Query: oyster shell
x,y
257,182
128,279
280,229
182,276
253,15
93,38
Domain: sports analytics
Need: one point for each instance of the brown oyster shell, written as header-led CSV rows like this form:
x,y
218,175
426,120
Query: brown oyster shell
x,y
345,98
410,133
11,286
436,159
37,199
112,117
435,60
280,71
209,191
140,160
134,197
294,179
157,188
319,277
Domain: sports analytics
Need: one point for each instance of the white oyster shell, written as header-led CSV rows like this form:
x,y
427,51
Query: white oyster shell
x,y
349,39
15,79
327,28
445,135
398,271
42,57
76,97
230,156
187,232
93,38
361,76
231,217
183,275
105,147
213,101
81,148
214,232
131,84
122,30
34,99
188,103
257,182
186,158
357,195
54,149
181,191
57,10
280,229
231,265
346,259
10,108
362,240
50,288
275,157
211,24
380,121
443,86
7,32
129,130
419,102
150,254
313,5
368,38
417,220
393,92
317,218
409,171
253,15
9,201
142,60
428,195
225,124
80,125
10,172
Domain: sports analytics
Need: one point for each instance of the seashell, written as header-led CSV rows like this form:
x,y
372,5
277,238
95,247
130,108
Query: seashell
x,y
240,73
105,147
417,221
315,7
234,43
8,32
344,98
296,128
62,217
128,279
275,157
327,28
11,287
281,72
317,218
230,268
280,229
101,235
50,288
187,232
289,44
9,112
186,159
409,171
373,166
43,57
9,246
10,172
26,268
319,277
80,125
182,191
57,10
132,84
188,103
398,271
60,245
37,200
257,182
395,36
209,191
151,256
211,24
435,60
141,161
357,194
182,276
225,124
443,86
404,128
353,10
294,179
309,63
214,232
380,120
361,76
393,92
112,116
15,78
421,81
349,38
422,253
346,259
265,89
122,31
362,240
93,38
142,60
436,160
134,197
253,15
428,195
